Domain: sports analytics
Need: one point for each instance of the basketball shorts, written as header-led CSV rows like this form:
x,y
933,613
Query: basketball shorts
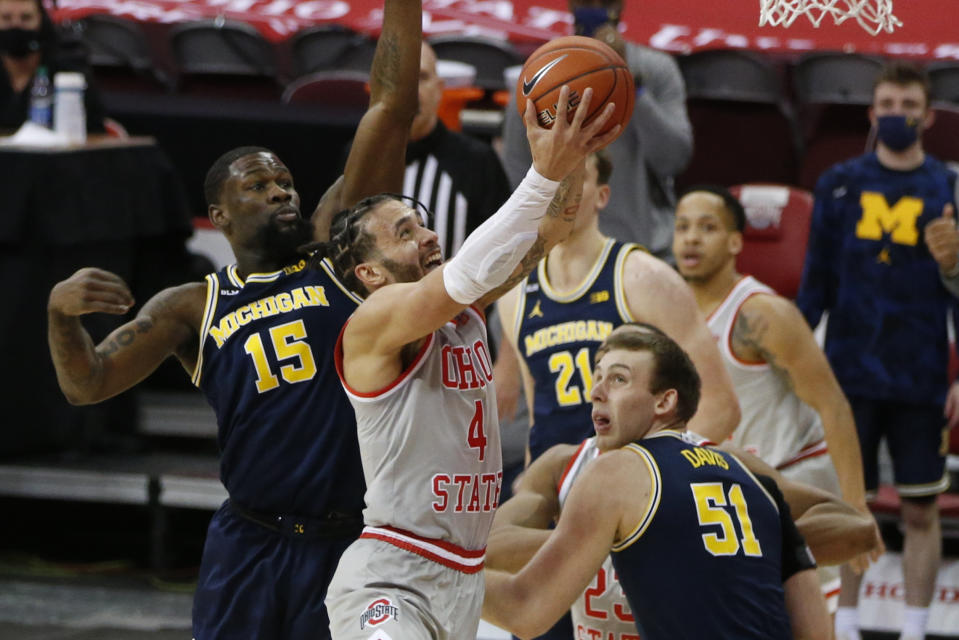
x,y
381,592
820,473
256,583
917,437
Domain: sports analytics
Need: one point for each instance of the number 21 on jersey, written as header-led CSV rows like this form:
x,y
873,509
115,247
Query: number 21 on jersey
x,y
565,365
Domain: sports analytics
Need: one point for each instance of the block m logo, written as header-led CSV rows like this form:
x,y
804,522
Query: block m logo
x,y
898,220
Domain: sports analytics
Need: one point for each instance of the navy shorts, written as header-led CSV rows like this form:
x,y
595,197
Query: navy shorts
x,y
917,437
257,583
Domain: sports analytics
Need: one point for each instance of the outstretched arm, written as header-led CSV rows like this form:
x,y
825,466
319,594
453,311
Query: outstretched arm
x,y
519,233
772,328
834,530
378,157
167,324
656,294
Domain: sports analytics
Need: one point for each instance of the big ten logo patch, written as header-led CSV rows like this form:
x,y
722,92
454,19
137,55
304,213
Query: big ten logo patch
x,y
378,612
898,220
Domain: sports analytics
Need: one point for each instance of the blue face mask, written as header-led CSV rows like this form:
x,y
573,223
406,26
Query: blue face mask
x,y
586,20
897,132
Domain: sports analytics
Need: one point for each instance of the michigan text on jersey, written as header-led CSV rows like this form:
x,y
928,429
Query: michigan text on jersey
x,y
311,296
566,332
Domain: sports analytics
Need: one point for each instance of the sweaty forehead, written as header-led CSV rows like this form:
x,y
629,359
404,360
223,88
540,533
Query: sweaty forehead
x,y
260,161
391,212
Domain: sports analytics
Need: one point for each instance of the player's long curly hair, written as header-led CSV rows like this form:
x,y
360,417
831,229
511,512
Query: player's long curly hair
x,y
350,242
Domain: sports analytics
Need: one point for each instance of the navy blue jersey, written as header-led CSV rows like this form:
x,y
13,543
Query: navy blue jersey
x,y
287,433
558,334
868,265
705,561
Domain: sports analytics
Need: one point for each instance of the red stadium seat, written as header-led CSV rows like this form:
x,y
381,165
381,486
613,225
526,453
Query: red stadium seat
x,y
777,229
942,139
886,506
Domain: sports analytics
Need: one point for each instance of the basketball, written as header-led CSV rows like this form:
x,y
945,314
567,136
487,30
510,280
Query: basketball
x,y
579,62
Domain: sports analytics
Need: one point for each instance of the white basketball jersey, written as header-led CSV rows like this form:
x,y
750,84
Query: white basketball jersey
x,y
430,443
776,425
601,612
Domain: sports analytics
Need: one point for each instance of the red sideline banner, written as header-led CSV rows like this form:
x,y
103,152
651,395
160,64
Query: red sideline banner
x,y
679,26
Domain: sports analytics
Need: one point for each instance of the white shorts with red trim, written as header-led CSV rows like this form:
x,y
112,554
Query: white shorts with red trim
x,y
382,589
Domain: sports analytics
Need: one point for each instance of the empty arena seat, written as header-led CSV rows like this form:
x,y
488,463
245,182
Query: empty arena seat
x,y
777,230
490,57
739,142
944,78
331,48
730,74
942,138
836,78
737,109
223,57
832,133
119,54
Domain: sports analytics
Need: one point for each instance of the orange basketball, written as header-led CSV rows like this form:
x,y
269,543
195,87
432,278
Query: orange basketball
x,y
580,63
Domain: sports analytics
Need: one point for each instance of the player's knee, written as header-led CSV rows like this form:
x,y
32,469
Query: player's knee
x,y
919,513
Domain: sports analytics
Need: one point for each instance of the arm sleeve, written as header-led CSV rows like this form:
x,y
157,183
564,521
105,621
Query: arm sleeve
x,y
491,253
796,555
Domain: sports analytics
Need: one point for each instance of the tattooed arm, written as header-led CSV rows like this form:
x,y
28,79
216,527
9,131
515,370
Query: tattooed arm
x,y
555,227
770,329
377,158
167,325
396,317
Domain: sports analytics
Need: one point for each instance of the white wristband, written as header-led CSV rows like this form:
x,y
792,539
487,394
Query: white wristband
x,y
492,251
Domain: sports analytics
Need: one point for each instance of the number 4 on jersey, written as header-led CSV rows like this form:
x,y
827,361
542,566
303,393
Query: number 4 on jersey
x,y
476,437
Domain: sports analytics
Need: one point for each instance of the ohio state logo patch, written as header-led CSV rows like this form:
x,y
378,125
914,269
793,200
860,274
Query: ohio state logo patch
x,y
378,612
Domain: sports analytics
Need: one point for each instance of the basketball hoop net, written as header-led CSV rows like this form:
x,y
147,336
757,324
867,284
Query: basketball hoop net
x,y
872,15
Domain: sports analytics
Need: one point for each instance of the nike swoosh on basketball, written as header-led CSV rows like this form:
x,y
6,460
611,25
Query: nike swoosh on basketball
x,y
529,84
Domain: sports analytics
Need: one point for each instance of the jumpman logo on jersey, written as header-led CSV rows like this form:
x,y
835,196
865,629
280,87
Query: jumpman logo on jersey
x,y
883,257
536,312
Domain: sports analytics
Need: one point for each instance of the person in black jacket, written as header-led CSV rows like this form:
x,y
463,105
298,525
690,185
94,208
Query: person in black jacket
x,y
28,41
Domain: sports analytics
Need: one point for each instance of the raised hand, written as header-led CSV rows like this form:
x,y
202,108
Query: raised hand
x,y
559,150
90,290
942,238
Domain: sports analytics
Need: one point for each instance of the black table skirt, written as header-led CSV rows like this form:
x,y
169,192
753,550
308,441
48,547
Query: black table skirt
x,y
121,209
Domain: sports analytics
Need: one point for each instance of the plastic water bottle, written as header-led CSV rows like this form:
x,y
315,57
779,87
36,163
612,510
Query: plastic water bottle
x,y
69,114
41,99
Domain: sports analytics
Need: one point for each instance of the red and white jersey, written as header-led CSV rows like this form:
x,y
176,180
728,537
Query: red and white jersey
x,y
601,612
776,425
430,447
